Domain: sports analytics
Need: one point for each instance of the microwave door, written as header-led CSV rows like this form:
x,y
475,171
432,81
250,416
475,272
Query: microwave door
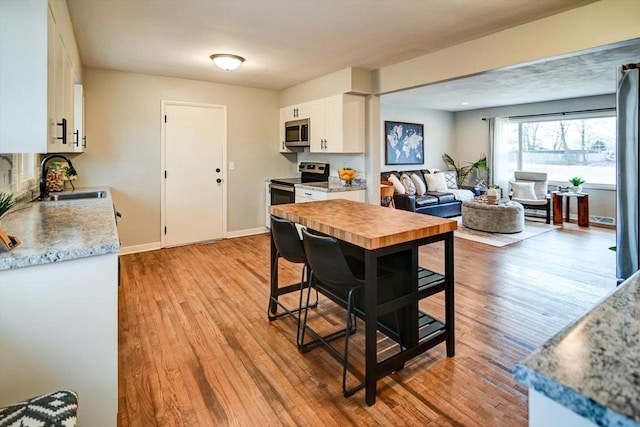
x,y
292,134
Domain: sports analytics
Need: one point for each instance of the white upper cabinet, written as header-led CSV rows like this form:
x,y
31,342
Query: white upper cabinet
x,y
284,117
36,80
337,125
294,112
79,138
317,125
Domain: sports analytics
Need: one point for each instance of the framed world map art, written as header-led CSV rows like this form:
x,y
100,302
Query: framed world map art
x,y
404,143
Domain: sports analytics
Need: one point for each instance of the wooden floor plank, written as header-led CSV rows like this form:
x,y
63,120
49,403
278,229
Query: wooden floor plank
x,y
196,348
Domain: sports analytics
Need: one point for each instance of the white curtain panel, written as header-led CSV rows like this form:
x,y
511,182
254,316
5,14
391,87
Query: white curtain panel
x,y
503,160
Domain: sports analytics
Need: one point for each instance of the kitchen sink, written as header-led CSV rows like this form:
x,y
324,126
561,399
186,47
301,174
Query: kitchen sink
x,y
76,196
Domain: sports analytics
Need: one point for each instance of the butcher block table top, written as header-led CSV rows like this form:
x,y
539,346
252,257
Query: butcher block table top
x,y
361,224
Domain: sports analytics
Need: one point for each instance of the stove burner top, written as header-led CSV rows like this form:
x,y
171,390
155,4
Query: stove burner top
x,y
310,172
286,181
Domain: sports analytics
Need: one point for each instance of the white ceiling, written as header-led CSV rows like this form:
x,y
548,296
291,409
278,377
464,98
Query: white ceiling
x,y
286,42
587,74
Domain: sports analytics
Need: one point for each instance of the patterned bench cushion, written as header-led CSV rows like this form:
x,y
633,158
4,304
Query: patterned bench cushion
x,y
57,409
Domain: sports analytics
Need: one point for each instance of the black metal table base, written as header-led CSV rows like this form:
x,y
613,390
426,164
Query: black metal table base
x,y
420,331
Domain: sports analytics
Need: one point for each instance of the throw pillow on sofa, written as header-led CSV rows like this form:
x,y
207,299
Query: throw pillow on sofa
x,y
409,186
421,188
436,182
398,188
523,190
451,177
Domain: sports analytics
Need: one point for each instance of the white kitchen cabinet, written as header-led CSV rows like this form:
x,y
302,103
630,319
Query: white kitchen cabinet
x,y
284,113
337,125
306,195
36,80
68,95
287,114
59,329
294,112
61,137
317,125
79,138
267,203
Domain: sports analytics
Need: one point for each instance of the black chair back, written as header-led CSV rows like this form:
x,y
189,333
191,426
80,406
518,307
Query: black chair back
x,y
327,261
287,240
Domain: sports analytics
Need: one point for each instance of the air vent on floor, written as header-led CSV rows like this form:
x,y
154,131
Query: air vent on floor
x,y
602,220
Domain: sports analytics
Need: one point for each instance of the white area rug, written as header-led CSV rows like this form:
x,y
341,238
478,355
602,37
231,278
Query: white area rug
x,y
531,229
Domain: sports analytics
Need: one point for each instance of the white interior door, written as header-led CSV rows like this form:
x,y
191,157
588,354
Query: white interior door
x,y
194,196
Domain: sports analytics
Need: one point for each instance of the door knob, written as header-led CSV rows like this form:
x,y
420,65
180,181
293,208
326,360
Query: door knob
x,y
218,170
218,180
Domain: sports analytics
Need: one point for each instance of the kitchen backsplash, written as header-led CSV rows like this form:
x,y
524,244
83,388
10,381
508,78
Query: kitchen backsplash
x,y
336,161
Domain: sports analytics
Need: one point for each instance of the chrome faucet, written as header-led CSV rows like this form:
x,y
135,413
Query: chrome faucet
x,y
44,193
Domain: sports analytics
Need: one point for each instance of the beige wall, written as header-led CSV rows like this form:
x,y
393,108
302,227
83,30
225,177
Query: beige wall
x,y
471,139
595,25
348,80
124,147
438,134
589,27
123,111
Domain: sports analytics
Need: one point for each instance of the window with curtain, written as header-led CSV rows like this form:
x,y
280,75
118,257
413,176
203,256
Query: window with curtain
x,y
581,145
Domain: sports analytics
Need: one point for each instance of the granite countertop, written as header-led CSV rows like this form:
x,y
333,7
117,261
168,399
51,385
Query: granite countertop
x,y
60,231
330,188
592,367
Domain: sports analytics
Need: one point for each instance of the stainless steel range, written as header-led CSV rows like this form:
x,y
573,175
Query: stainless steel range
x,y
282,190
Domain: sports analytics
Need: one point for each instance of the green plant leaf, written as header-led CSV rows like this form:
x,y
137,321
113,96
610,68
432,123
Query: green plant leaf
x,y
576,180
462,172
6,203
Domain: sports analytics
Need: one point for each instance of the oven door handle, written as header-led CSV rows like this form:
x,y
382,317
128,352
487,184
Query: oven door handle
x,y
281,187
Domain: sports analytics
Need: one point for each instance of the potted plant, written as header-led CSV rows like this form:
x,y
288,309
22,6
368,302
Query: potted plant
x,y
462,172
576,183
7,202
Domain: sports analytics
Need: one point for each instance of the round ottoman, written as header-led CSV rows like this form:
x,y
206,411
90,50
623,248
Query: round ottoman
x,y
505,217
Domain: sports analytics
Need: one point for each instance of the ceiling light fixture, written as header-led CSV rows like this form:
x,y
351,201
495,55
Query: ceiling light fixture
x,y
465,103
227,61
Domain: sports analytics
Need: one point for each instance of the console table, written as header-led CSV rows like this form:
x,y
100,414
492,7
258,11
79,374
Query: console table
x,y
388,235
583,207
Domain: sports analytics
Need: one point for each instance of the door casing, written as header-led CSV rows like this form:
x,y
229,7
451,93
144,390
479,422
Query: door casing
x,y
163,163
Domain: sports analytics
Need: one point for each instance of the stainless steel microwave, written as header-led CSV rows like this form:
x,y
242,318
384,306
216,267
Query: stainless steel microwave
x,y
296,133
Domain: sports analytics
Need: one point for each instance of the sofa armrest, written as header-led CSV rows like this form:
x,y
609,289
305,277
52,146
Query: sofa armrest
x,y
475,189
405,202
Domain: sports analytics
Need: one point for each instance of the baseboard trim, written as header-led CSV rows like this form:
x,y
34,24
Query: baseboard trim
x,y
125,250
247,232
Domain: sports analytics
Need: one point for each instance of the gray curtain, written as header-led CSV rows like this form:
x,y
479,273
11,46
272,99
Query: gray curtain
x,y
491,122
628,206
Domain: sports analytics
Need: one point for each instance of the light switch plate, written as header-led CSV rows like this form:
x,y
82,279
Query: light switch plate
x,y
232,166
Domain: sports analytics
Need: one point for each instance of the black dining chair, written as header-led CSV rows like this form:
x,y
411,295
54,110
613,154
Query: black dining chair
x,y
333,273
289,246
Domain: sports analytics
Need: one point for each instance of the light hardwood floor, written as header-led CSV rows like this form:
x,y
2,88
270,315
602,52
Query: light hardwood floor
x,y
196,348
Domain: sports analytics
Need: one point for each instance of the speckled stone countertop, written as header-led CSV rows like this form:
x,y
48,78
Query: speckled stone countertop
x,y
60,231
324,186
592,367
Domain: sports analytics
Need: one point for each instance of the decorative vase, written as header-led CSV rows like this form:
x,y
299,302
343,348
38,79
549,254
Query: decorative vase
x,y
55,180
576,188
492,195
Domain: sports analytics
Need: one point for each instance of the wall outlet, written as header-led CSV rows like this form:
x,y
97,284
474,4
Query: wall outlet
x,y
232,166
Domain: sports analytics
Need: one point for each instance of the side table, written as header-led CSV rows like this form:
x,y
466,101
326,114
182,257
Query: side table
x,y
583,207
